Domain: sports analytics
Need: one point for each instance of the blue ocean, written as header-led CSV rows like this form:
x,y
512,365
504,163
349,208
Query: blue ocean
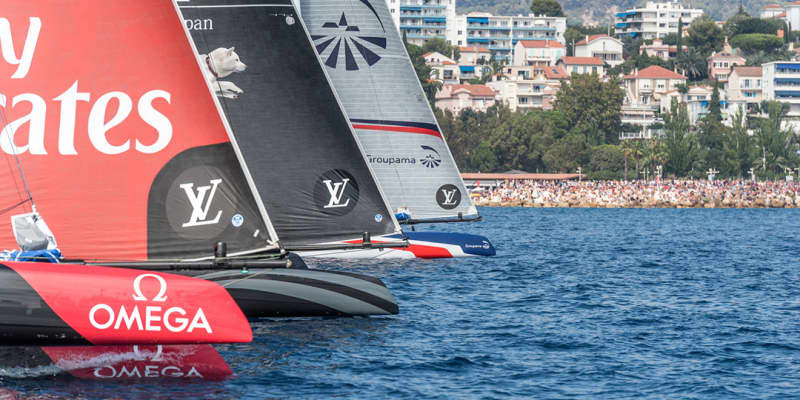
x,y
579,303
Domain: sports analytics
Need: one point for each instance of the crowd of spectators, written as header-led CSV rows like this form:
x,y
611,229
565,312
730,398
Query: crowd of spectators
x,y
657,193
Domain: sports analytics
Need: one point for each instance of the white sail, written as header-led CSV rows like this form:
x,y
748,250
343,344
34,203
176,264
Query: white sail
x,y
376,82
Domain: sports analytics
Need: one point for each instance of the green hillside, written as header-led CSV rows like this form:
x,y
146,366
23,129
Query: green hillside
x,y
602,11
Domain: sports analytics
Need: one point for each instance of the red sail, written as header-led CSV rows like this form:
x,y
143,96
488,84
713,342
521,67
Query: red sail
x,y
116,131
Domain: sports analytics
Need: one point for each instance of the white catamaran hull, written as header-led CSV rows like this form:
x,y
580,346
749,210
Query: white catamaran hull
x,y
425,245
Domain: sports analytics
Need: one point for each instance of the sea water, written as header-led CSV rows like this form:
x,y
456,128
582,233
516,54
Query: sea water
x,y
578,303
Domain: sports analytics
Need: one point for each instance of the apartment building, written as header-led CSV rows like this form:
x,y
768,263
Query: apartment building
x,y
654,20
604,47
500,34
538,52
781,82
421,20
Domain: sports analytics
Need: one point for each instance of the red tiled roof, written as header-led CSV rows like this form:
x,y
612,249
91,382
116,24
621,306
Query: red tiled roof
x,y
475,90
581,60
556,72
752,72
427,54
474,49
538,44
781,15
593,38
773,6
655,72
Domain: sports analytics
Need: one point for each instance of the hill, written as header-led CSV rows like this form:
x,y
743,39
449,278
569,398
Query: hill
x,y
602,11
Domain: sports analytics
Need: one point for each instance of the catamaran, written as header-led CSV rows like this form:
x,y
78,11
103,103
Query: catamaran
x,y
121,146
373,76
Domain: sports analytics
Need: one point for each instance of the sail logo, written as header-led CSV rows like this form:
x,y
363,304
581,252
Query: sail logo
x,y
200,201
432,159
342,37
154,318
448,197
108,111
336,192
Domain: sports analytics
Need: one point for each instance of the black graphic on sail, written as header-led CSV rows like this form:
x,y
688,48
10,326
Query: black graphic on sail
x,y
296,141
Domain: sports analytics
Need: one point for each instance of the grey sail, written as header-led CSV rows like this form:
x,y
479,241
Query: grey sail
x,y
371,71
306,163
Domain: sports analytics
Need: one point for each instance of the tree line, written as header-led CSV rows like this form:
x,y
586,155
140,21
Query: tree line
x,y
582,131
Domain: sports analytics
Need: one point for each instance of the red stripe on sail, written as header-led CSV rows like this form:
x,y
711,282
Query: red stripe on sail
x,y
406,129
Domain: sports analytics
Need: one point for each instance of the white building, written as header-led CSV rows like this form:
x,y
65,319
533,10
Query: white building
x,y
538,52
655,20
771,11
603,47
500,34
781,82
697,100
792,16
443,68
421,20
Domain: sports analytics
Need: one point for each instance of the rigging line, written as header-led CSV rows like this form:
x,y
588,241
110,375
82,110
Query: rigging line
x,y
4,121
7,209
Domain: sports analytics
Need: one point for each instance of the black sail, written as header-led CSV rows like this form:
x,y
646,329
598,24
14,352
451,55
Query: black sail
x,y
294,136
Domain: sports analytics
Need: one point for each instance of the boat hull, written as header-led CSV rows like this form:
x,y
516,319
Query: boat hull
x,y
424,245
290,292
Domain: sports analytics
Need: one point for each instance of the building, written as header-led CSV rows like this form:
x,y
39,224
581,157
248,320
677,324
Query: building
x,y
530,88
538,52
658,49
500,34
443,68
643,92
583,65
792,16
474,55
646,87
421,20
781,82
771,11
697,100
603,47
744,89
456,97
721,62
655,20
